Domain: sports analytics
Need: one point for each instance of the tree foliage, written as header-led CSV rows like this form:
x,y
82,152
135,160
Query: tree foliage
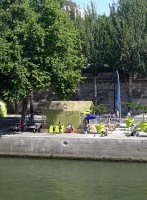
x,y
40,44
22,39
130,106
39,47
99,109
129,36
96,38
129,20
63,55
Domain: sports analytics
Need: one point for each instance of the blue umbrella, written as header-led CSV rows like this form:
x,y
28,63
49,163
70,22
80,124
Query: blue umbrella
x,y
88,117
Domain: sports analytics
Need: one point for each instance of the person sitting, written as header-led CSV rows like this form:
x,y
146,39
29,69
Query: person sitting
x,y
109,127
86,127
69,128
104,133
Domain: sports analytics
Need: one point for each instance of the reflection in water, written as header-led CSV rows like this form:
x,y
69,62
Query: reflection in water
x,y
43,179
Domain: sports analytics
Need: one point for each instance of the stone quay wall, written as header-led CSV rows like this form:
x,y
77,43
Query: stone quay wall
x,y
105,89
133,149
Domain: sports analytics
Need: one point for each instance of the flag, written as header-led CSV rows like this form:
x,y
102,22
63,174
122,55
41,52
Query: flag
x,y
118,99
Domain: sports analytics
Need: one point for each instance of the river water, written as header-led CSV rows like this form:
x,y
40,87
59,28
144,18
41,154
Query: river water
x,y
43,179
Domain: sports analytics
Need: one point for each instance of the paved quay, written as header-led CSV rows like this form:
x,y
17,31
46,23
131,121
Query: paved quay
x,y
115,146
118,145
114,135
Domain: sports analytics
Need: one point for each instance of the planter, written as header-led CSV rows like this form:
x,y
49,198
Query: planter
x,y
143,126
129,122
100,128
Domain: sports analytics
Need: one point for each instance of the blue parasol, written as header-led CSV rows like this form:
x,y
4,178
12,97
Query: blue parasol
x,y
88,117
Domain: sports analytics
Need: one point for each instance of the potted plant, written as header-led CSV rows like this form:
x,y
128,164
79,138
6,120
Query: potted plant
x,y
143,124
130,106
99,109
142,108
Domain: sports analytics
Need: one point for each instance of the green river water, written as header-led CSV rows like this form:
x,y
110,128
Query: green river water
x,y
43,179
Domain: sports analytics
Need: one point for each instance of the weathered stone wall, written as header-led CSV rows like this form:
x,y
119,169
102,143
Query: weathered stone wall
x,y
106,89
74,147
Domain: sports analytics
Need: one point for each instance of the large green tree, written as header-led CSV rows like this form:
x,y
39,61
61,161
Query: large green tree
x,y
62,50
97,42
39,47
22,38
129,36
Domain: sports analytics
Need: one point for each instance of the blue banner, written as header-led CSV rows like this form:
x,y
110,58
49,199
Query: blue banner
x,y
118,98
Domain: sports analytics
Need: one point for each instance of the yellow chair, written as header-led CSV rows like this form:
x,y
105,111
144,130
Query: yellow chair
x,y
50,129
62,128
57,128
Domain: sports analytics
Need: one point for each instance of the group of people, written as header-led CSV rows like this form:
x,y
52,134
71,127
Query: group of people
x,y
117,116
86,125
30,118
114,116
69,128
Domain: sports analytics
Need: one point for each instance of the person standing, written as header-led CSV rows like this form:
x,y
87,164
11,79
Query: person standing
x,y
60,127
129,114
86,127
117,114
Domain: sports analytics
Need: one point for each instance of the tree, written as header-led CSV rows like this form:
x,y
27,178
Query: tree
x,y
39,47
22,37
143,108
62,50
99,109
96,42
129,36
129,106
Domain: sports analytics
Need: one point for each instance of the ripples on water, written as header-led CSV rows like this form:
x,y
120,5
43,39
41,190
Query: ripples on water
x,y
43,179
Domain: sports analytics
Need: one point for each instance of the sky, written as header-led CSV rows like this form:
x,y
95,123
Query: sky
x,y
102,6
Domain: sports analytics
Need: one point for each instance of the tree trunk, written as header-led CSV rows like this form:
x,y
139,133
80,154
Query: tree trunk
x,y
24,110
31,102
95,90
114,97
15,107
79,92
130,87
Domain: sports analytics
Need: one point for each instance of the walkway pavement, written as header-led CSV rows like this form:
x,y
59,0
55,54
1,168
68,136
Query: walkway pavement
x,y
119,133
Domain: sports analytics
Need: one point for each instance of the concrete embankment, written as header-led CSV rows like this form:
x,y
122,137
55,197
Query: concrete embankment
x,y
74,146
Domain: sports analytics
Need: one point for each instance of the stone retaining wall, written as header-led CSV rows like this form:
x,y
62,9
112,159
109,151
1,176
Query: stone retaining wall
x,y
106,90
74,147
